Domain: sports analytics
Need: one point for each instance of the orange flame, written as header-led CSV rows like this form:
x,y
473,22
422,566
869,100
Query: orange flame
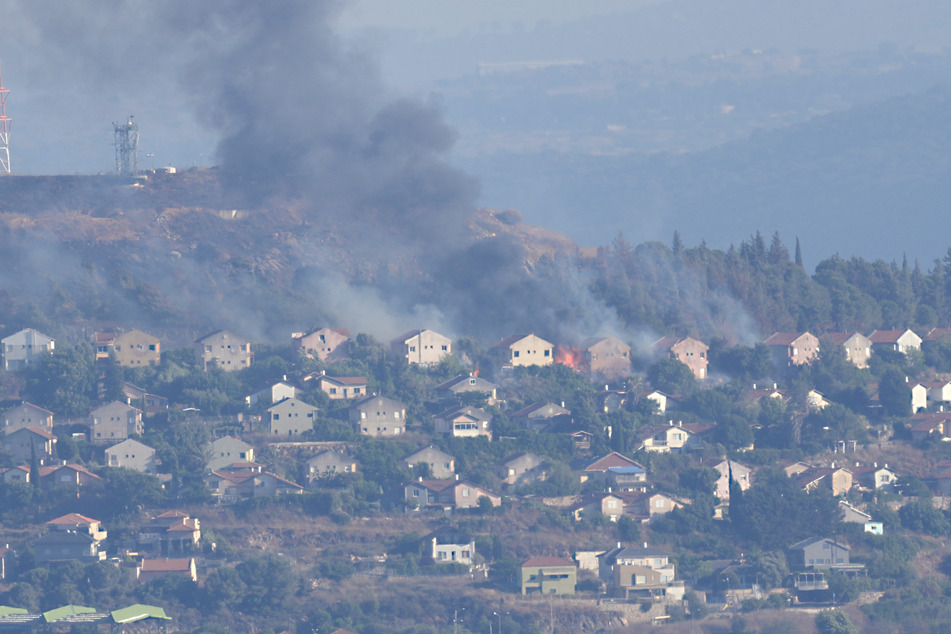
x,y
572,357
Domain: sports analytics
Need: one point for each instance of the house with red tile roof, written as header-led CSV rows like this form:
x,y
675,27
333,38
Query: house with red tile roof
x,y
343,387
24,442
155,568
793,348
897,340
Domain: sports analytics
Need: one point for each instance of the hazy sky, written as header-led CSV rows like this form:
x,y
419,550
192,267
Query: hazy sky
x,y
81,67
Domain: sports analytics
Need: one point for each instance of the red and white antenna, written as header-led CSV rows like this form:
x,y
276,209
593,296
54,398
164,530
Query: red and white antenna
x,y
4,131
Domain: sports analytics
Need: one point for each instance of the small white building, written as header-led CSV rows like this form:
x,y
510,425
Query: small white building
x,y
424,347
131,454
290,417
226,451
22,348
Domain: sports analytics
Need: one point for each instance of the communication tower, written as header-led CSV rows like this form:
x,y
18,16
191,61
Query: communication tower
x,y
127,148
4,131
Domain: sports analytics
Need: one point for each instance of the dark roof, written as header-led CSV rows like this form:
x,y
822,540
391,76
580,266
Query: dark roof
x,y
548,561
783,338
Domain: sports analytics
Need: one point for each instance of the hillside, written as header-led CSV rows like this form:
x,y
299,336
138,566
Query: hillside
x,y
82,252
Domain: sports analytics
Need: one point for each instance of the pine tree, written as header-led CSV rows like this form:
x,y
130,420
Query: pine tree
x,y
798,253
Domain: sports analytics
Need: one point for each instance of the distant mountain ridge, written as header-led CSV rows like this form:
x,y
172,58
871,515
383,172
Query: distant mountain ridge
x,y
871,181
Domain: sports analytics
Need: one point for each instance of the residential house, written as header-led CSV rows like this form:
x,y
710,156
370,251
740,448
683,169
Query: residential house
x,y
326,344
223,350
660,399
644,505
542,416
874,477
599,468
466,495
930,425
469,384
689,351
456,494
857,347
69,538
793,348
273,393
343,387
818,553
330,462
464,422
227,450
27,415
919,396
759,393
136,349
898,340
26,442
548,575
24,347
742,475
672,438
853,515
19,474
449,545
103,344
610,505
522,351
131,454
379,416
521,468
67,476
149,403
938,391
114,422
290,417
581,439
151,569
642,572
423,347
230,486
816,401
439,464
607,357
171,532
838,480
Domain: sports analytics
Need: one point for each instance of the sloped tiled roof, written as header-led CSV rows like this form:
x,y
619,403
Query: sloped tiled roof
x,y
547,561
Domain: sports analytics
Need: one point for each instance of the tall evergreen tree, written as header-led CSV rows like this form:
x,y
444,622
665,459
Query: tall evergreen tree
x,y
798,253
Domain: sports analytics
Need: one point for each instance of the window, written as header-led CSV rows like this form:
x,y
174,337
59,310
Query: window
x,y
445,348
515,354
547,353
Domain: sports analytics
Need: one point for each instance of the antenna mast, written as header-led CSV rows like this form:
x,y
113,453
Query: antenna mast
x,y
127,148
4,131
